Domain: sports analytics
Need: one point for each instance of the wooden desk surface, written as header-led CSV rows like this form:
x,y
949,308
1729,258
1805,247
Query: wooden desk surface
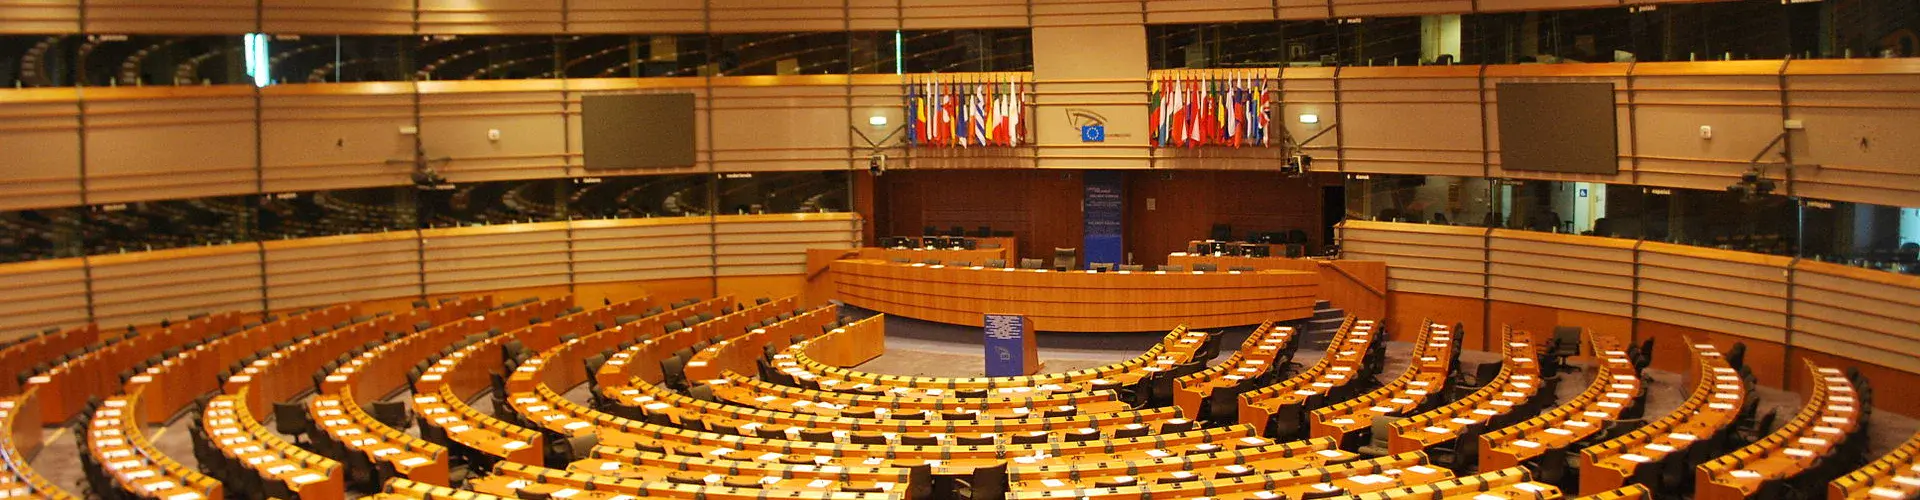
x,y
1613,390
1427,374
1076,301
1830,416
1713,404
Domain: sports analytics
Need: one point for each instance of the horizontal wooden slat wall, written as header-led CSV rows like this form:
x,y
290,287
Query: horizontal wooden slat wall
x,y
1856,113
344,17
43,294
40,16
1530,268
1775,302
457,117
145,287
753,247
628,16
1441,260
1857,313
491,16
468,259
801,124
40,131
331,270
174,142
335,136
171,16
197,142
642,249
744,16
1411,120
950,14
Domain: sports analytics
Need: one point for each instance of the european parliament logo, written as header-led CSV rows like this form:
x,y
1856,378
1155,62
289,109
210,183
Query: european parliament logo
x,y
1092,126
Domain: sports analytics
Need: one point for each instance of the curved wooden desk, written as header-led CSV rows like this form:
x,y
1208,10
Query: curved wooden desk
x,y
1076,301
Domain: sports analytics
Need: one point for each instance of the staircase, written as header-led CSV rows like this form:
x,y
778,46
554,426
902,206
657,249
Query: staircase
x,y
1315,331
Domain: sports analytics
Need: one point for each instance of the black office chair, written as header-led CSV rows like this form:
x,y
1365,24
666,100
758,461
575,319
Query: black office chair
x,y
1065,258
290,418
395,414
986,483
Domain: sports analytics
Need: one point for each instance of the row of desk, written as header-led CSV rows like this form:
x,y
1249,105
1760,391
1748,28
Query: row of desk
x,y
1266,351
1717,395
1615,389
1831,416
1345,361
1513,389
1434,354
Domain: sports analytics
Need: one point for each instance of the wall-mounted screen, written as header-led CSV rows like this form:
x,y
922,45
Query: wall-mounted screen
x,y
637,130
1558,127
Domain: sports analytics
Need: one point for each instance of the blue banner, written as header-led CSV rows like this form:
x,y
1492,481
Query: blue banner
x,y
1009,350
1105,206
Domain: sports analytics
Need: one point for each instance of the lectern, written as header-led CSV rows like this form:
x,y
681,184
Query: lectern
x,y
1010,346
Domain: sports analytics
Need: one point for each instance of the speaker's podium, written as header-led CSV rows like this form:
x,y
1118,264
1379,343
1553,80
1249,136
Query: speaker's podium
x,y
1011,351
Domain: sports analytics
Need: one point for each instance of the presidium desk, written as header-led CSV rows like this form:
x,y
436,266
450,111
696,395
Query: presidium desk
x,y
1076,301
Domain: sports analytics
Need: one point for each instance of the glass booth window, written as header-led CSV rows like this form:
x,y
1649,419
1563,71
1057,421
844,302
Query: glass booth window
x,y
783,192
781,54
39,60
953,51
1863,235
1558,207
1424,199
454,57
114,60
501,202
156,225
50,233
345,211
638,196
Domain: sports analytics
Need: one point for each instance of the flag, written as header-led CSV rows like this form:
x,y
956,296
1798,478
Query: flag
x,y
980,113
1019,110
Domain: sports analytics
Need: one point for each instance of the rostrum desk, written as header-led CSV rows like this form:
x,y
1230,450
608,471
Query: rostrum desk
x,y
1076,301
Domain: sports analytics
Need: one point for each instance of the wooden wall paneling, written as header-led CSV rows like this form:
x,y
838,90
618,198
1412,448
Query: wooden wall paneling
x,y
743,16
800,125
1090,70
1305,91
576,88
1041,208
642,249
43,294
472,259
1445,260
336,136
456,116
1379,8
957,14
39,17
341,17
870,96
1541,5
1615,73
40,131
1419,120
1717,290
1853,110
473,17
628,17
873,15
1181,210
1406,309
1208,11
151,18
1300,10
777,244
336,269
1857,313
155,143
1740,100
1581,273
145,287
